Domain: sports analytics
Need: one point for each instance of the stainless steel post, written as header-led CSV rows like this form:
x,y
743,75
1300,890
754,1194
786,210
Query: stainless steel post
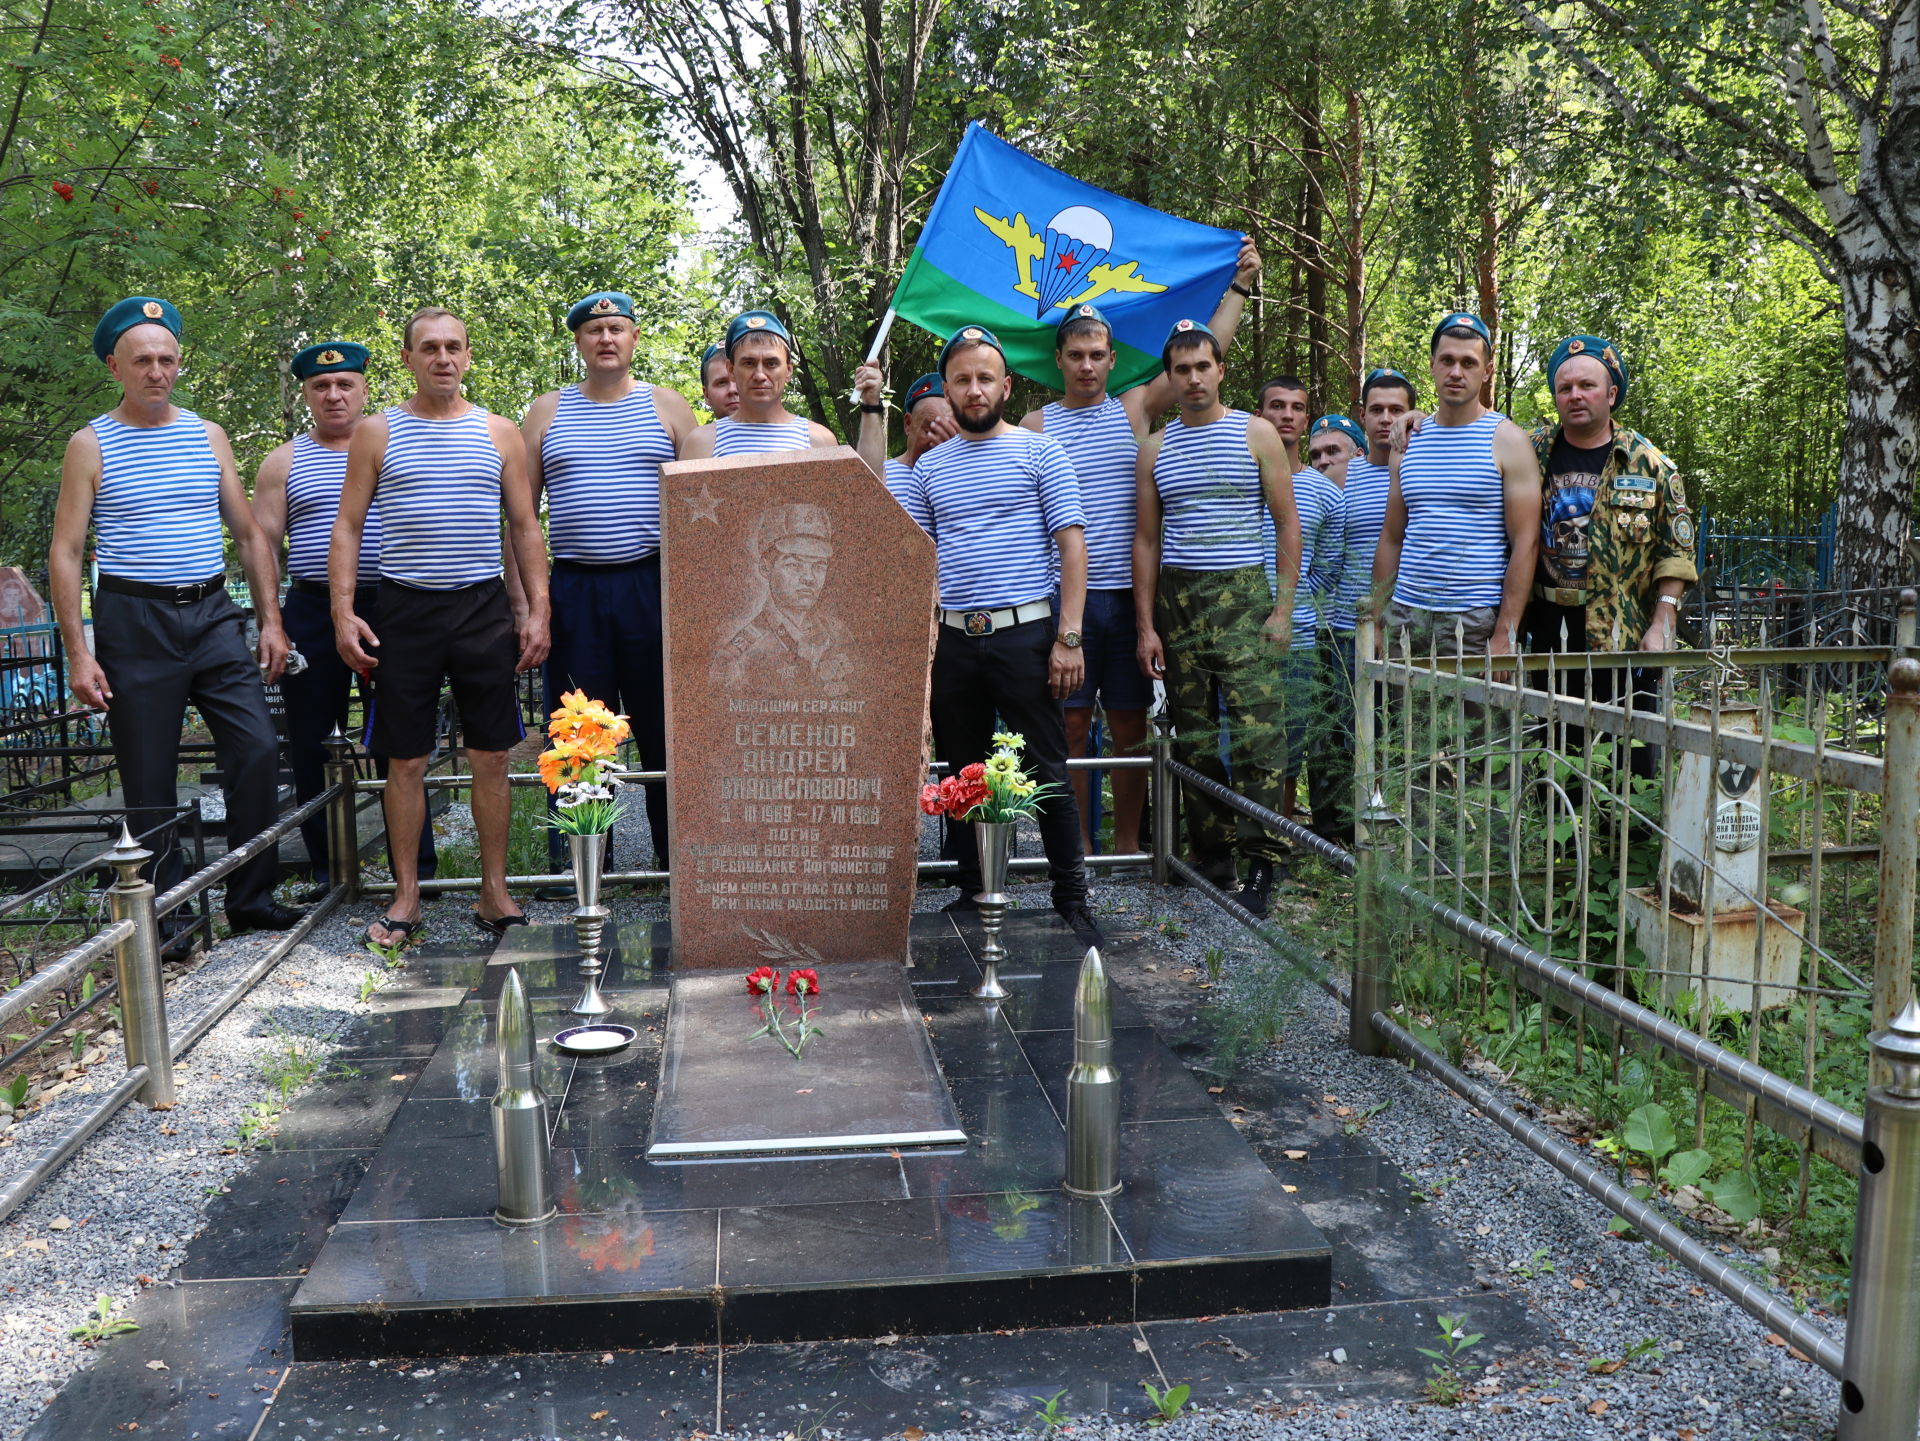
x,y
1162,787
343,834
519,1115
1899,839
1093,1088
1880,1377
136,960
1372,964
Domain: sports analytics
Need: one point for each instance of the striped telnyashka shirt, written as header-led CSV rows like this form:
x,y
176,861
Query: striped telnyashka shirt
x,y
439,499
992,507
156,516
1454,557
1323,511
1366,516
601,467
746,437
899,478
314,481
1099,440
1213,514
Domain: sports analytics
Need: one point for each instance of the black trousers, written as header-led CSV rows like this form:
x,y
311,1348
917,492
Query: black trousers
x,y
159,657
993,682
1542,626
606,642
1330,738
316,701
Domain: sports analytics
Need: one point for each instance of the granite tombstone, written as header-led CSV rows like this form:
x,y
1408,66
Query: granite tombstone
x,y
797,598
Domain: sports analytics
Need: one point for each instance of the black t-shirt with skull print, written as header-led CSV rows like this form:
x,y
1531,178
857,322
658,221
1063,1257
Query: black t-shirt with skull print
x,y
1573,476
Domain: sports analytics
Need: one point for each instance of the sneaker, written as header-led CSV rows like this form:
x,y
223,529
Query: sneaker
x,y
1081,922
1257,888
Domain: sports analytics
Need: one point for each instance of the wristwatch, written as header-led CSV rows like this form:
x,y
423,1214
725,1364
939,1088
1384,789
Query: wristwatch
x,y
1069,638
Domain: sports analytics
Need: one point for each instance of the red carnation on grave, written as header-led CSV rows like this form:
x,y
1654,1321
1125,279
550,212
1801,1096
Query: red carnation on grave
x,y
763,981
803,983
63,190
975,773
931,800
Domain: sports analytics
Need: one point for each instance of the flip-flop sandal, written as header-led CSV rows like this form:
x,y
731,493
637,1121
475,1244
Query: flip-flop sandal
x,y
390,924
498,926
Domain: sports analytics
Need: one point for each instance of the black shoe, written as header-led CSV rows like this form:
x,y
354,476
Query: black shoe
x,y
309,895
1258,886
1081,922
963,902
271,917
554,893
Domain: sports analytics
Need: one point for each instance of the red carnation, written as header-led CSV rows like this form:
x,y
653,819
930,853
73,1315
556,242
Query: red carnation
x,y
930,800
63,190
803,983
763,982
977,772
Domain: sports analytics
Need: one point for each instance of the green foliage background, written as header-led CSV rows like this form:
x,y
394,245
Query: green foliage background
x,y
301,169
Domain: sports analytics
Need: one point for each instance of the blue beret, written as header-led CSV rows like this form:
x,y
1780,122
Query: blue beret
x,y
1344,426
1182,328
755,322
331,356
1381,374
926,385
1604,351
1082,312
707,359
134,310
1464,319
601,302
969,335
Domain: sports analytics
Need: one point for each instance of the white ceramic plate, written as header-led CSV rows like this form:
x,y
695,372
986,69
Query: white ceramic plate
x,y
596,1040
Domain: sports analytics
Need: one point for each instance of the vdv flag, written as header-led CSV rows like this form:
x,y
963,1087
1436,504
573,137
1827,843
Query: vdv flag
x,y
1014,244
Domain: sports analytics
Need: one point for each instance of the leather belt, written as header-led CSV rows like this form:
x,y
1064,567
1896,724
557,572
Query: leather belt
x,y
362,590
177,594
600,567
1559,595
986,622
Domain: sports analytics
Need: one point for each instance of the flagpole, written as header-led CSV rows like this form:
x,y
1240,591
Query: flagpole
x,y
880,336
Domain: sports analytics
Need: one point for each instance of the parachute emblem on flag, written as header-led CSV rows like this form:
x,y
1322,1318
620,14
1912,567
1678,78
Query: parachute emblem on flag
x,y
1070,259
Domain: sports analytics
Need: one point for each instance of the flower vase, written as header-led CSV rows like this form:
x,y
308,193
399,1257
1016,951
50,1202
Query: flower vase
x,y
996,844
589,918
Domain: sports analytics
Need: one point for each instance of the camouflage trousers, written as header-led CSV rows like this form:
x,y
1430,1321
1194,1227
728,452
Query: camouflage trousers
x,y
1217,662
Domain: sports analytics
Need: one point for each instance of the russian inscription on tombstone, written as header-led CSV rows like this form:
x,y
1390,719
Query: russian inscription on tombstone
x,y
797,596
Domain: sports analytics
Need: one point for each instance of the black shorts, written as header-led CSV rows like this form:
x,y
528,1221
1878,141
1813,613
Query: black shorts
x,y
462,638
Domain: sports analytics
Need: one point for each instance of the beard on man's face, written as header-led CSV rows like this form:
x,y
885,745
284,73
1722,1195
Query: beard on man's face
x,y
982,423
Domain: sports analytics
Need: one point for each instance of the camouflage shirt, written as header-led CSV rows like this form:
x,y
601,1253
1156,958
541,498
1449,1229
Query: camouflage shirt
x,y
1640,533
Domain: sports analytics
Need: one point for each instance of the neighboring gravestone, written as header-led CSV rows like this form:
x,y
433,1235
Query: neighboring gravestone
x,y
798,597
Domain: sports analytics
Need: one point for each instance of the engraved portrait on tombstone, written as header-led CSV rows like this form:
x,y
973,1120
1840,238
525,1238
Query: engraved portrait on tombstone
x,y
793,638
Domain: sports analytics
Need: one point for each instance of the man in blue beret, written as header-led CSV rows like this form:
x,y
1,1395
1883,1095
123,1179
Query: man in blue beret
x,y
596,448
760,354
1210,488
1319,694
1456,552
155,482
925,419
997,501
444,473
716,382
1101,434
1616,537
296,496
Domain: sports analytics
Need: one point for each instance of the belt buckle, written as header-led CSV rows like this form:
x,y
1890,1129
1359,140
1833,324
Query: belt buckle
x,y
185,594
978,622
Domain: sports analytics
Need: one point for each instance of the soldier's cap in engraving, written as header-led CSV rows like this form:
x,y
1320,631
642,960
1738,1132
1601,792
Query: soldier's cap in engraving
x,y
328,356
1597,348
601,302
755,322
795,529
134,310
966,337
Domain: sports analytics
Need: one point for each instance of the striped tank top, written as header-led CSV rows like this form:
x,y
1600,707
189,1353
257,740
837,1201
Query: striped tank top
x,y
1366,517
1322,514
1099,440
601,466
747,437
898,478
156,516
1454,557
314,482
439,498
1210,500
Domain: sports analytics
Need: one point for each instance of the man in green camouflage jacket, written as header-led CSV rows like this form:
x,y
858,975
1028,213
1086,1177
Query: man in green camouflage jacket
x,y
1616,550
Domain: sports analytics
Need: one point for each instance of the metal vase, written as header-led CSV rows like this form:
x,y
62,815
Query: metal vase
x,y
996,844
589,918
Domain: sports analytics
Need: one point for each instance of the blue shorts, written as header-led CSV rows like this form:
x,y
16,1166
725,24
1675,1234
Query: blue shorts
x,y
1109,639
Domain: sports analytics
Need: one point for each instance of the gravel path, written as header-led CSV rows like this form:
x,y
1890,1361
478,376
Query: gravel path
x,y
138,1191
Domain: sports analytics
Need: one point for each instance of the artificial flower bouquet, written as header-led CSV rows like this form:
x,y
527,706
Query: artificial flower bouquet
x,y
995,790
578,765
